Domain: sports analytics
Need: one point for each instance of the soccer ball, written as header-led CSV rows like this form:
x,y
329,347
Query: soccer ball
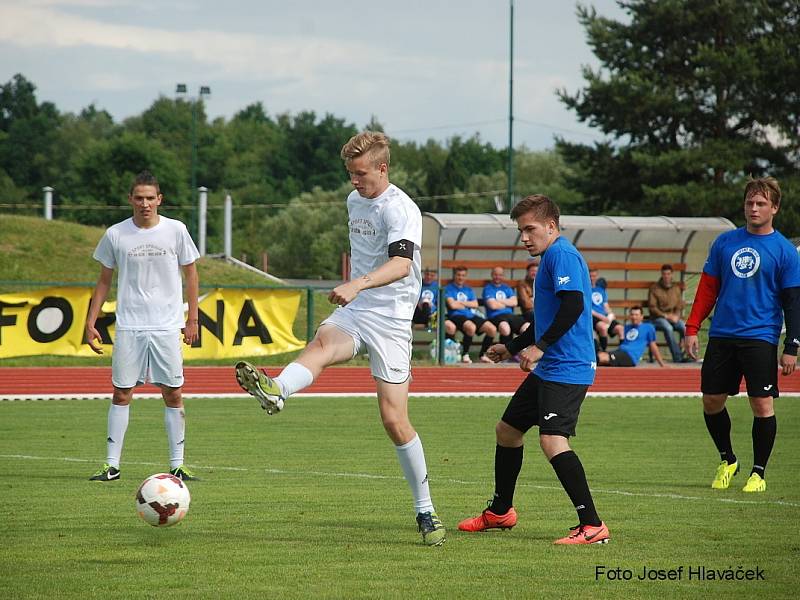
x,y
162,500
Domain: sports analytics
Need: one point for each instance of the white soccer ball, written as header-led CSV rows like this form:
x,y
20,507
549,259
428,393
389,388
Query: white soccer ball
x,y
162,500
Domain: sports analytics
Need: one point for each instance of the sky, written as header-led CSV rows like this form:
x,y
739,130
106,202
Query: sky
x,y
424,68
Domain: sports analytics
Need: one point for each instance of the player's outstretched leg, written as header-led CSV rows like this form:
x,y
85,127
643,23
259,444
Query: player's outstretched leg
x,y
259,385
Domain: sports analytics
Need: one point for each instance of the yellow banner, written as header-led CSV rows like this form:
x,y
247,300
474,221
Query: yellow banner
x,y
233,323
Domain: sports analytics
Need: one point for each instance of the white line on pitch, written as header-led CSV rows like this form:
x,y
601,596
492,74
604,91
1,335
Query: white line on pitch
x,y
394,477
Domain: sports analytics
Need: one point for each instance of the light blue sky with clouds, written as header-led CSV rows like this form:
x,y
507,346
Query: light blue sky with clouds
x,y
424,68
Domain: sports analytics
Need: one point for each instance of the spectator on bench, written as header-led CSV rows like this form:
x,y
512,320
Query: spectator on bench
x,y
638,336
603,320
525,291
461,315
500,300
665,300
425,310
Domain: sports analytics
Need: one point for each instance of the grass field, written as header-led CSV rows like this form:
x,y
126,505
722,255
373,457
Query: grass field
x,y
311,503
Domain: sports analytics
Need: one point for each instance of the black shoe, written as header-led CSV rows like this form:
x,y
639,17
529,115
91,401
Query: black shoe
x,y
107,473
184,474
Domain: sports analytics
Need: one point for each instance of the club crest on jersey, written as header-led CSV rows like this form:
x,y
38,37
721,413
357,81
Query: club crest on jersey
x,y
461,297
745,262
499,295
597,298
632,334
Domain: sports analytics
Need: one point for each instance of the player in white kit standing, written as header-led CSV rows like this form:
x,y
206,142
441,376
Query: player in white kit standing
x,y
375,310
149,250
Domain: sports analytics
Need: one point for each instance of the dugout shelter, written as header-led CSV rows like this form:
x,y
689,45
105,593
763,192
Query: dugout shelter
x,y
627,251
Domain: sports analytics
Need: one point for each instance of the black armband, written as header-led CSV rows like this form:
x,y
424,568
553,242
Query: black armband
x,y
568,312
402,248
790,302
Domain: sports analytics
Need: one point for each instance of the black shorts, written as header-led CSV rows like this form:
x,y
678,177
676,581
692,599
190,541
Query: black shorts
x,y
422,314
620,358
554,407
727,360
611,326
514,321
459,321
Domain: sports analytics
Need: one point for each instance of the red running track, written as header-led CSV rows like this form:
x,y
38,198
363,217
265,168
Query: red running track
x,y
61,381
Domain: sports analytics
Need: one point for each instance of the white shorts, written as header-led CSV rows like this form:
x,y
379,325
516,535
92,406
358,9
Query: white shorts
x,y
387,340
141,356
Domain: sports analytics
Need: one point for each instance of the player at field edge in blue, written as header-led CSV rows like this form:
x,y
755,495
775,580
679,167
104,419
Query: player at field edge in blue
x,y
559,353
149,251
374,310
751,279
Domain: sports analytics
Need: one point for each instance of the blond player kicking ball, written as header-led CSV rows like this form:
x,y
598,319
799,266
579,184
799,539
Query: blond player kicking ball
x,y
149,250
375,310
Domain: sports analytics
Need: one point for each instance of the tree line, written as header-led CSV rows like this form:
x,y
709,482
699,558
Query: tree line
x,y
693,98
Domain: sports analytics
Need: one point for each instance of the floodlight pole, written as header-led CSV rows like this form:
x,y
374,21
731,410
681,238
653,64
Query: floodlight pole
x,y
203,90
511,108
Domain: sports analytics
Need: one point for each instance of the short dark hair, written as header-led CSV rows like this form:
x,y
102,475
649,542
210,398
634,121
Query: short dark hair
x,y
145,178
542,207
459,268
666,267
637,307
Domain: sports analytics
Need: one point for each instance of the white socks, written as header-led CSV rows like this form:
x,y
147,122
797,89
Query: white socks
x,y
117,425
175,422
412,460
294,378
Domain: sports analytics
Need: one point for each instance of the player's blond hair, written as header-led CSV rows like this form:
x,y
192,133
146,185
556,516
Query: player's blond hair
x,y
767,187
373,144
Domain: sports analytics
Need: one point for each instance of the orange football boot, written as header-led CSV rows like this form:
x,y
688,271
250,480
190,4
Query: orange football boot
x,y
488,520
586,534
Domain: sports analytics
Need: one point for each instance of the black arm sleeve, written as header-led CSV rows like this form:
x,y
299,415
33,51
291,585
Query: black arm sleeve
x,y
567,315
523,340
790,301
568,312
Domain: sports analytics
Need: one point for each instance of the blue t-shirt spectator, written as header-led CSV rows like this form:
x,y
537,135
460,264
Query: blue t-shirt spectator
x,y
430,294
571,359
636,339
752,271
599,299
497,292
462,293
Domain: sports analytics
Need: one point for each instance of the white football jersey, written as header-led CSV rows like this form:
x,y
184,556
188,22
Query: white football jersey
x,y
374,224
149,284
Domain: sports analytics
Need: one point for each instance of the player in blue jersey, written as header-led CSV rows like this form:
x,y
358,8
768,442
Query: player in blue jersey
x,y
638,335
559,351
752,274
500,301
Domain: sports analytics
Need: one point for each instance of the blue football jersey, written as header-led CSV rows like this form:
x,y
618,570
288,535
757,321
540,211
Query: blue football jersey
x,y
571,359
752,271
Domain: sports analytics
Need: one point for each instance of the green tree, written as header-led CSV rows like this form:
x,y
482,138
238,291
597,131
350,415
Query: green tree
x,y
696,96
306,239
28,132
106,171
